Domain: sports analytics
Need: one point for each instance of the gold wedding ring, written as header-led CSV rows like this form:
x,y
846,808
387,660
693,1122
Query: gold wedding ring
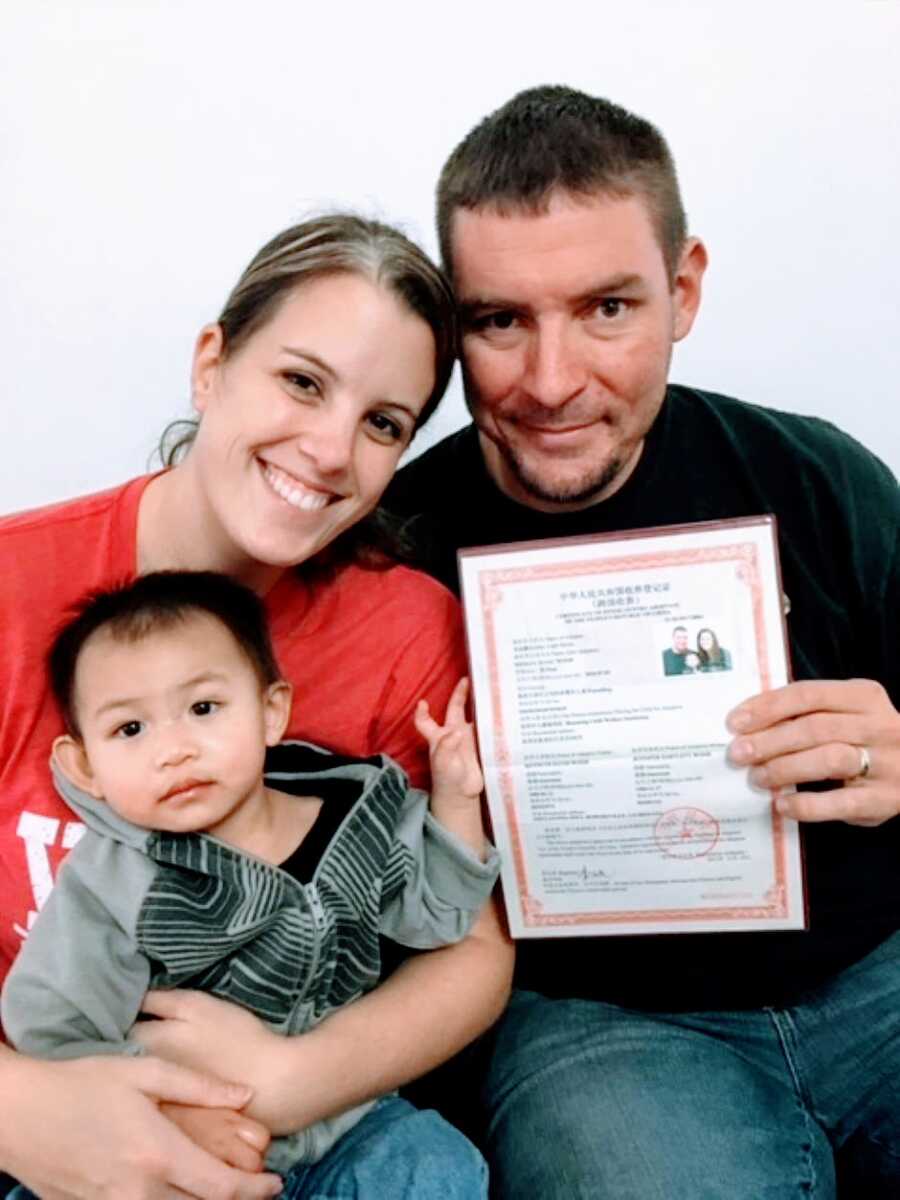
x,y
865,762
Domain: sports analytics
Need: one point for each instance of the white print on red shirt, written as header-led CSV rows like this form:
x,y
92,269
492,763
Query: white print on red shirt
x,y
38,833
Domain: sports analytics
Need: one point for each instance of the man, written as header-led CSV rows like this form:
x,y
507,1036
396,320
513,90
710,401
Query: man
x,y
691,1066
674,655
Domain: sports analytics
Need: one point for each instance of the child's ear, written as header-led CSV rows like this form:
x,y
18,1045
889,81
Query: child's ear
x,y
277,705
69,755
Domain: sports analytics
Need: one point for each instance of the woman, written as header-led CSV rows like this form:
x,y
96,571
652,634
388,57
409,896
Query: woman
x,y
712,656
335,345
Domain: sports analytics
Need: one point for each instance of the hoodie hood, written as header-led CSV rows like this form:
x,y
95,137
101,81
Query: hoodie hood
x,y
297,767
97,814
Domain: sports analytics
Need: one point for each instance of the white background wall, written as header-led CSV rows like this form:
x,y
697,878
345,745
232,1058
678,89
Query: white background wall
x,y
147,148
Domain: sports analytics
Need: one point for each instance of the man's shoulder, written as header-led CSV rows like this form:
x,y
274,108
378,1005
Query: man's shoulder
x,y
436,474
792,435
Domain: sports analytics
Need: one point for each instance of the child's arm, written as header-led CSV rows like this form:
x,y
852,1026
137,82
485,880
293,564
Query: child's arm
x,y
78,982
457,782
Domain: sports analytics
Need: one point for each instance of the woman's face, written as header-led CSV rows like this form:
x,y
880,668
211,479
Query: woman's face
x,y
301,429
706,641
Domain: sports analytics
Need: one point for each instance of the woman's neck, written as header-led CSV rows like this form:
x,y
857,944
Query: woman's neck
x,y
176,531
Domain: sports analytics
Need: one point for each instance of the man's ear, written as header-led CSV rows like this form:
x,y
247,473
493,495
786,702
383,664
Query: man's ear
x,y
69,755
277,703
687,287
208,358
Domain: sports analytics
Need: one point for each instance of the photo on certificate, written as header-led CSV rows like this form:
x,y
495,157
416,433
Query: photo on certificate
x,y
602,670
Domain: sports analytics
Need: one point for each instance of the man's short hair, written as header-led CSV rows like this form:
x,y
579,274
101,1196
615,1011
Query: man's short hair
x,y
555,138
159,601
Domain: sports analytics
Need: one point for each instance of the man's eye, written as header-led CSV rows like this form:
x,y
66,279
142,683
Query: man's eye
x,y
610,307
497,322
130,729
203,708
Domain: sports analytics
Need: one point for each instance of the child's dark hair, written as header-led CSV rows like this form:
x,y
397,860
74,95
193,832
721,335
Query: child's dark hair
x,y
155,602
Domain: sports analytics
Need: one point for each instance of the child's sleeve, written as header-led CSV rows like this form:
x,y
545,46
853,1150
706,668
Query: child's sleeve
x,y
434,885
78,982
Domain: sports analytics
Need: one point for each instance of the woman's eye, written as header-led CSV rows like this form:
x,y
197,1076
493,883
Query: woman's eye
x,y
129,729
302,382
203,708
385,427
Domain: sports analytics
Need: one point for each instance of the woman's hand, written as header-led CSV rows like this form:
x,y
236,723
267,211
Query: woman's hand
x,y
196,1030
376,1044
233,1137
91,1129
818,729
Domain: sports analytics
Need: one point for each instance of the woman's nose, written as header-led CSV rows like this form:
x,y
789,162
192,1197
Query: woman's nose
x,y
329,440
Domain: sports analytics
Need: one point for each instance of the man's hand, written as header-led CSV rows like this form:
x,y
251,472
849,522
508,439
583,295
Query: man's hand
x,y
233,1137
91,1129
818,729
455,769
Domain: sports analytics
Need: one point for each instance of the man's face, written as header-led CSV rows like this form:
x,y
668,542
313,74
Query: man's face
x,y
568,321
679,641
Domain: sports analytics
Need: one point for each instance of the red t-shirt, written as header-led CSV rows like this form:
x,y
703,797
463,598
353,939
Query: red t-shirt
x,y
360,649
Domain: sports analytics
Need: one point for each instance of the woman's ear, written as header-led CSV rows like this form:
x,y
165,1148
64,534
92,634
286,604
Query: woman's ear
x,y
208,356
277,703
70,756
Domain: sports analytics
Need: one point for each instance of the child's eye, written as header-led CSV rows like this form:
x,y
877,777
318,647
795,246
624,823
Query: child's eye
x,y
203,708
130,729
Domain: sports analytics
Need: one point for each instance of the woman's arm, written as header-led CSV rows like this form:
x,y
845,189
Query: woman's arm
x,y
91,1128
431,1007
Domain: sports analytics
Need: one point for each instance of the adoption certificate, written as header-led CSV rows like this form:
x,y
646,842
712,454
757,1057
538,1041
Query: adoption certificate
x,y
602,670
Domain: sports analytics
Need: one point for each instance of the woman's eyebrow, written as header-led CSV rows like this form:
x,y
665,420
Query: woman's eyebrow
x,y
309,356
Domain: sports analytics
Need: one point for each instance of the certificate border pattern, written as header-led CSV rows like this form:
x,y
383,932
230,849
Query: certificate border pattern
x,y
491,584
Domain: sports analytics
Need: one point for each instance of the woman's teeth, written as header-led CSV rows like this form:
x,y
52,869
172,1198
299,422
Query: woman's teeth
x,y
294,492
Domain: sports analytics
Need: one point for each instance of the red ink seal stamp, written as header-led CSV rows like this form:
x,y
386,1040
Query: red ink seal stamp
x,y
686,832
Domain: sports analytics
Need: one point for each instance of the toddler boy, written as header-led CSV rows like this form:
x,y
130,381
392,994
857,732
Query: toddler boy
x,y
196,870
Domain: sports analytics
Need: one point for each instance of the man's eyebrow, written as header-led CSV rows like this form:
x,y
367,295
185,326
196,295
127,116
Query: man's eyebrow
x,y
623,282
480,304
185,685
309,356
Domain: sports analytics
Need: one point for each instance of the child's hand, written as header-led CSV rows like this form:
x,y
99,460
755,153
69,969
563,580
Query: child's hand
x,y
451,747
235,1139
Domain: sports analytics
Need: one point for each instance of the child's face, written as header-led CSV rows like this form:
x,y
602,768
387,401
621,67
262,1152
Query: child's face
x,y
174,725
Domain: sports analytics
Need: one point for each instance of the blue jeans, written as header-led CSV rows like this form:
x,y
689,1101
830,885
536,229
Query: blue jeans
x,y
396,1152
587,1101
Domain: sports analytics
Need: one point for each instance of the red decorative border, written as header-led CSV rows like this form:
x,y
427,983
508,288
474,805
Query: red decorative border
x,y
744,555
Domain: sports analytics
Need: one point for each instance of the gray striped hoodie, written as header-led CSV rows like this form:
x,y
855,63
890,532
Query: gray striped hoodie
x,y
133,909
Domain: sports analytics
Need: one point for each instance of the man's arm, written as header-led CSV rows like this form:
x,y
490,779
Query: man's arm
x,y
431,1007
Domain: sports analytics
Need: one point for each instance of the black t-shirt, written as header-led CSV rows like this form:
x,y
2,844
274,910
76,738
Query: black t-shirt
x,y
709,457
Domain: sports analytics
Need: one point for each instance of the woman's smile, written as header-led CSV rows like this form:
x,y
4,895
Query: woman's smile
x,y
293,491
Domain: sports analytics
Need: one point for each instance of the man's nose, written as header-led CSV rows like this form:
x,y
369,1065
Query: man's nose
x,y
555,371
